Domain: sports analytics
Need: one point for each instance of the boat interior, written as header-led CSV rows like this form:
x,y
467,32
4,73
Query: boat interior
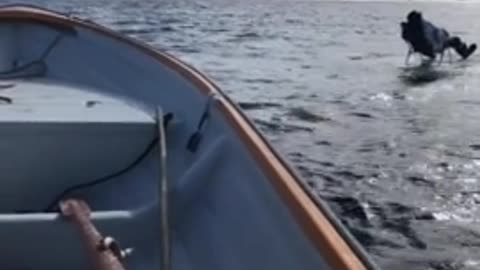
x,y
80,114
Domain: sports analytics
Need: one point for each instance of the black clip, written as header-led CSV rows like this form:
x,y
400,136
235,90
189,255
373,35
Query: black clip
x,y
109,243
196,137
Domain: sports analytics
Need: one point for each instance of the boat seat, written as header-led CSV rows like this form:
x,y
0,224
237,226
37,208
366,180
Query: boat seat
x,y
56,136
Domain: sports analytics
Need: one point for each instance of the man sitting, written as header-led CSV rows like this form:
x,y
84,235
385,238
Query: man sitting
x,y
430,40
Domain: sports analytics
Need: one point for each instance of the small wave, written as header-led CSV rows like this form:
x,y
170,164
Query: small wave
x,y
258,105
170,20
201,6
330,43
136,31
291,59
355,57
293,21
301,158
472,263
187,26
305,115
186,49
280,127
397,218
247,35
167,29
377,55
326,143
333,76
296,95
422,181
454,265
256,54
214,30
259,80
348,175
373,17
469,102
369,147
444,166
350,207
362,115
448,216
403,227
370,55
125,22
312,184
381,96
228,15
309,173
475,147
451,153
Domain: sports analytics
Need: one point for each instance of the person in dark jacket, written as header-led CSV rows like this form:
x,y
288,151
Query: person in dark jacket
x,y
429,40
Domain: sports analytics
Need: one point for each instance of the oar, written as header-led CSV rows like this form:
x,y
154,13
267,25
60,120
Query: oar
x,y
104,252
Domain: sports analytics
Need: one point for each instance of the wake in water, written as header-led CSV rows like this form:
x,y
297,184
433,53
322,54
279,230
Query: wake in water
x,y
424,73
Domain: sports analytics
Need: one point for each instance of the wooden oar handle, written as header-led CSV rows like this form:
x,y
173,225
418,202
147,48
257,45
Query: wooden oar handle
x,y
78,212
75,209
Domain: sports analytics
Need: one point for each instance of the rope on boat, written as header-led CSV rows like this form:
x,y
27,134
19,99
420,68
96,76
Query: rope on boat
x,y
166,244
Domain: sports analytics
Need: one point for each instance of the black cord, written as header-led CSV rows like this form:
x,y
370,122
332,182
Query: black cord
x,y
167,119
196,137
50,47
104,179
32,63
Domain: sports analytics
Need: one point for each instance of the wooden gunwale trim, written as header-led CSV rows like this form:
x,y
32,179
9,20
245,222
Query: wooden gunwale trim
x,y
317,227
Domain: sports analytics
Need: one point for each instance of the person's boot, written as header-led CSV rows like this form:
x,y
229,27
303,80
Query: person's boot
x,y
461,48
466,52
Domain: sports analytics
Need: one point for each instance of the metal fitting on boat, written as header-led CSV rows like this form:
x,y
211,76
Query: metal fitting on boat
x,y
109,243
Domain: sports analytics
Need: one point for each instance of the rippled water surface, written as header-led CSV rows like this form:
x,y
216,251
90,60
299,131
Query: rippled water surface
x,y
396,155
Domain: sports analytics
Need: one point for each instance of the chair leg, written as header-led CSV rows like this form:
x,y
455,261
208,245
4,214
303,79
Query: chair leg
x,y
409,53
441,58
